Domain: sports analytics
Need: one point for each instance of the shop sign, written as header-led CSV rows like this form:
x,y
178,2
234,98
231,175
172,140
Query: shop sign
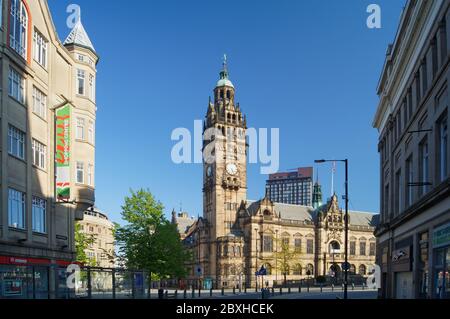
x,y
441,236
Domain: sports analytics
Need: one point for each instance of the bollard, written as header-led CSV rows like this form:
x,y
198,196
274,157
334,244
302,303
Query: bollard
x,y
185,294
223,291
234,290
245,289
199,292
273,291
300,289
176,294
289,290
332,287
193,293
353,286
321,288
281,291
210,292
307,287
342,287
166,295
240,289
363,286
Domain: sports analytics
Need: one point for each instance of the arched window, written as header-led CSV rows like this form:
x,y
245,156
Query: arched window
x,y
18,29
335,247
310,270
228,94
362,270
352,269
298,270
267,243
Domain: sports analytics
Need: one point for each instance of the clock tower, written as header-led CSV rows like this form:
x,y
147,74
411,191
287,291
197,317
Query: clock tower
x,y
224,165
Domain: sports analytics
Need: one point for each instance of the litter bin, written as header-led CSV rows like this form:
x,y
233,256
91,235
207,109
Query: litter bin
x,y
160,293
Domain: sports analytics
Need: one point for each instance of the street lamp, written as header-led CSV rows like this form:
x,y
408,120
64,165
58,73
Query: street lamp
x,y
276,256
256,259
346,221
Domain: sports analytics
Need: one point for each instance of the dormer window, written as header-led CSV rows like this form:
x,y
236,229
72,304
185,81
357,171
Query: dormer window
x,y
18,29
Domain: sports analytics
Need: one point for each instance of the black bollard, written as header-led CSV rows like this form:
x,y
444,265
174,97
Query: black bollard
x,y
245,289
210,292
307,287
300,289
289,290
166,295
223,291
234,290
185,294
281,291
193,293
176,294
332,287
199,292
321,288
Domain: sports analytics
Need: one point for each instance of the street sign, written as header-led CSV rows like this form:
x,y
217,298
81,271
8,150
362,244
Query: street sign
x,y
345,266
199,270
261,272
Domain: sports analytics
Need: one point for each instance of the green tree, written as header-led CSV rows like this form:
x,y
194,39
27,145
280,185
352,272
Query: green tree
x,y
82,243
149,241
285,255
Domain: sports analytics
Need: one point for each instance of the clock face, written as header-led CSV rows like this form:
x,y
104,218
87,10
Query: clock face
x,y
232,169
209,171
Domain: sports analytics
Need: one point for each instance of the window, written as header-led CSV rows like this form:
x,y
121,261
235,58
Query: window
x,y
352,248
40,49
18,31
372,249
90,175
285,241
267,244
1,13
80,129
409,181
310,246
398,184
424,165
443,148
16,86
362,248
16,142
91,87
298,245
39,103
39,215
91,136
362,270
39,154
16,209
81,76
80,173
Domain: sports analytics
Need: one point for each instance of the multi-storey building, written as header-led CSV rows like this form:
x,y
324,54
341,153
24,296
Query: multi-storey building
x,y
47,146
236,236
291,187
98,225
412,120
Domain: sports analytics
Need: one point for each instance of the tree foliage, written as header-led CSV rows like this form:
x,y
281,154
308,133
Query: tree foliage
x,y
82,243
285,255
148,241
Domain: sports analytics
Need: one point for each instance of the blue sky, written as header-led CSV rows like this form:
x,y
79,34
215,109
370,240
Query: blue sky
x,y
309,68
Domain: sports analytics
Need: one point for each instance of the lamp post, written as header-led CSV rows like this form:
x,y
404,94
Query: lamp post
x,y
345,161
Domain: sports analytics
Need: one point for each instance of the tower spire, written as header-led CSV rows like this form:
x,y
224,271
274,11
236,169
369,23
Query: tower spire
x,y
224,72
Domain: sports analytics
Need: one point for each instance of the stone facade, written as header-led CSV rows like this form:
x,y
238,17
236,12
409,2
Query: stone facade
x,y
38,76
236,236
98,225
412,121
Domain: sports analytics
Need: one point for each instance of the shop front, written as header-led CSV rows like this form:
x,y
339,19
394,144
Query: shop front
x,y
26,278
441,268
403,275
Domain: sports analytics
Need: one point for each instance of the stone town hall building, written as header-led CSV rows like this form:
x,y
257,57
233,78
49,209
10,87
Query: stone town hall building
x,y
236,236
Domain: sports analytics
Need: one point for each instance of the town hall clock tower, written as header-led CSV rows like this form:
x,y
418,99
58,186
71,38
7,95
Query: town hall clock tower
x,y
224,172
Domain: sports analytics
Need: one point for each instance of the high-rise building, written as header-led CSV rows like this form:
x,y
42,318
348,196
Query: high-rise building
x,y
291,187
412,120
47,146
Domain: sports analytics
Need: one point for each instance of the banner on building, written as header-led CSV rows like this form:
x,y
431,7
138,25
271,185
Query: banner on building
x,y
62,152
